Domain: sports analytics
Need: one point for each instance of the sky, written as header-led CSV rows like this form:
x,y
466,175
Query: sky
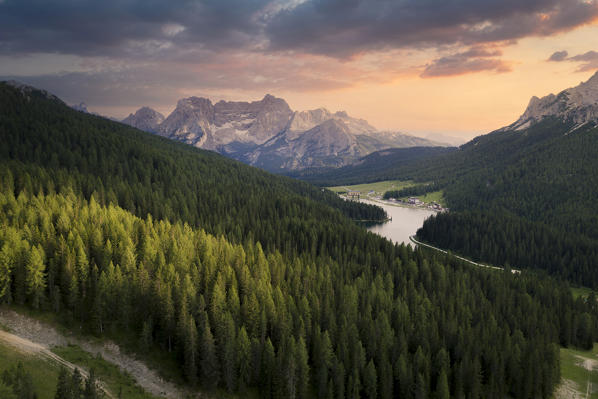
x,y
454,67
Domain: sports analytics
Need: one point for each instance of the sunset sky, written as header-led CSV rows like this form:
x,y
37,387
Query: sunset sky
x,y
459,67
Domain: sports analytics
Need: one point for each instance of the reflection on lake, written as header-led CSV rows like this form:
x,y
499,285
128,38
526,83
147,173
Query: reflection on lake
x,y
405,222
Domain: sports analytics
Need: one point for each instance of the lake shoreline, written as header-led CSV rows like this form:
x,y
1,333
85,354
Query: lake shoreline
x,y
403,221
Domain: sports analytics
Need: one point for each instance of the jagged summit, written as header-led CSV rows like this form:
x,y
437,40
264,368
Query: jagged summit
x,y
197,121
267,133
577,104
145,119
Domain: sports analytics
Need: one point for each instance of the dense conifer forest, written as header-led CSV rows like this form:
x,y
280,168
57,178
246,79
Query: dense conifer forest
x,y
252,281
523,198
378,166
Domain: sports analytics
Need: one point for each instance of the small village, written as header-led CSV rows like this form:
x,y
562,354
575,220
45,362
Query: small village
x,y
413,202
416,202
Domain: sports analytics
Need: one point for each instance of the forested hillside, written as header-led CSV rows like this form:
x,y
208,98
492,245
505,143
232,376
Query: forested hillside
x,y
378,166
251,281
527,198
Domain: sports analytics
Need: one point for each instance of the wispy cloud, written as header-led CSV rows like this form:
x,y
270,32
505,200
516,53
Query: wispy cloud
x,y
588,61
476,59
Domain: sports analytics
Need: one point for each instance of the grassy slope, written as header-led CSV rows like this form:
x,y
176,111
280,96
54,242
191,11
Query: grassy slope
x,y
437,196
572,369
43,372
107,372
379,187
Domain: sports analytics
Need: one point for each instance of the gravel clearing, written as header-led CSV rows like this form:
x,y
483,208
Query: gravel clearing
x,y
33,336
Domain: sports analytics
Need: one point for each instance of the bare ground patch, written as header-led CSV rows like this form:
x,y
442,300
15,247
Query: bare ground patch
x,y
34,336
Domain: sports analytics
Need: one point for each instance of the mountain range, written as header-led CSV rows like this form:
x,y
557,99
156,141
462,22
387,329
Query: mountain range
x,y
270,135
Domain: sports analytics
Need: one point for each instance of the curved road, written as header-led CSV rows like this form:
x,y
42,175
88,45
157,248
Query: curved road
x,y
412,238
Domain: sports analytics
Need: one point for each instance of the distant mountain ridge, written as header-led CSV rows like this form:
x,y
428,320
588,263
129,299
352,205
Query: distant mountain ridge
x,y
145,119
268,134
578,105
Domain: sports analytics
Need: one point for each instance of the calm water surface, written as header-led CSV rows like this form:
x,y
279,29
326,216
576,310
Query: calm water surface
x,y
404,223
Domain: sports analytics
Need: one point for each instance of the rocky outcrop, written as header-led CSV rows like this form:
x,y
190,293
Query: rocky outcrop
x,y
578,105
226,125
145,119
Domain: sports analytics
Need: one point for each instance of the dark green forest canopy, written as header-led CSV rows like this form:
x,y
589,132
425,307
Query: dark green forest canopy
x,y
249,280
378,166
527,198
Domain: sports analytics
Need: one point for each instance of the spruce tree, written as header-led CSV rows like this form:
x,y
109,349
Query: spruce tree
x,y
209,366
91,386
64,385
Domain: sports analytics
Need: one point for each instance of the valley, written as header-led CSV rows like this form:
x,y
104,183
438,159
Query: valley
x,y
298,199
246,282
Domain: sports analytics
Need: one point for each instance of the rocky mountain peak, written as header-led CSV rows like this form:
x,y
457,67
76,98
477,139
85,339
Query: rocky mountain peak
x,y
267,133
577,104
145,118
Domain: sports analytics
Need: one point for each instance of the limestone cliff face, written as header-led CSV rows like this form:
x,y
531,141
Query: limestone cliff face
x,y
145,119
219,126
268,134
577,104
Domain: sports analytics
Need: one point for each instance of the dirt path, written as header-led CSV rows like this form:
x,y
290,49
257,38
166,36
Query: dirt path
x,y
588,364
39,338
567,389
25,346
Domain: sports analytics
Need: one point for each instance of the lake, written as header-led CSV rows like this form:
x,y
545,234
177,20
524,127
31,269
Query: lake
x,y
405,221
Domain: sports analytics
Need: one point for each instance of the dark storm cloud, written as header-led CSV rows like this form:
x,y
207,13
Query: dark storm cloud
x,y
114,27
343,27
558,56
476,59
588,61
142,28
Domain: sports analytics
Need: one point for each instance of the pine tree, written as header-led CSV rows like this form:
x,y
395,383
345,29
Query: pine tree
x,y
190,350
91,387
268,369
76,384
35,277
6,264
442,388
64,387
244,359
302,362
209,366
370,380
228,354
